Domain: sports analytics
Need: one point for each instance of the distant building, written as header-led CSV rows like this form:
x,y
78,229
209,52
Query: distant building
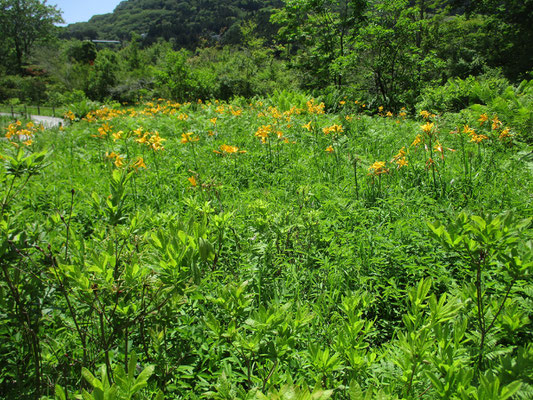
x,y
106,41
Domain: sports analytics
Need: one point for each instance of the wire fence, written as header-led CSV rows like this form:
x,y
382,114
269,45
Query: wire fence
x,y
24,110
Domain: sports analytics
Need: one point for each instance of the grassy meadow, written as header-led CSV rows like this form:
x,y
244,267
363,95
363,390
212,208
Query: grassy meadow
x,y
266,249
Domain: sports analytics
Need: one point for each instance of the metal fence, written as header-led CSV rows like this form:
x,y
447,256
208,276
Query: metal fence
x,y
24,110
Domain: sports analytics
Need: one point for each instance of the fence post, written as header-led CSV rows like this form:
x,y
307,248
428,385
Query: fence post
x,y
25,111
38,109
53,111
12,113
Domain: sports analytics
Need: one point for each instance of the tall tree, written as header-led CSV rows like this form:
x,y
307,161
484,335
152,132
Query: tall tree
x,y
509,23
23,23
321,33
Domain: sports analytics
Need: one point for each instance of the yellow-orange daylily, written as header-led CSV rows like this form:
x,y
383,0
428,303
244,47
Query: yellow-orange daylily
x,y
263,131
427,127
468,130
139,164
117,135
402,162
189,138
505,134
417,141
401,154
119,160
425,114
156,141
333,129
496,123
478,138
227,149
378,168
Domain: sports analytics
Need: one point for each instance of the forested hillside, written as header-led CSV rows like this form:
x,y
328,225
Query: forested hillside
x,y
187,22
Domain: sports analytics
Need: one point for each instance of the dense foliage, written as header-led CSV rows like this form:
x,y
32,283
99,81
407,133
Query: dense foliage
x,y
254,250
23,23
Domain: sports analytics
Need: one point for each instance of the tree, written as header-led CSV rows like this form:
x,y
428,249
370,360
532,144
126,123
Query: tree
x,y
320,32
104,75
509,25
24,23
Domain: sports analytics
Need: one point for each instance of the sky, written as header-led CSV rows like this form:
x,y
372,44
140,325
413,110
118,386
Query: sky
x,y
83,10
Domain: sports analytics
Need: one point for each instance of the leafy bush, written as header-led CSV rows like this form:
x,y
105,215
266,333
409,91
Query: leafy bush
x,y
458,94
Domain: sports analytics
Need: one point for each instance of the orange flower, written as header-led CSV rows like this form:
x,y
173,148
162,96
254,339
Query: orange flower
x,y
156,141
117,135
189,138
330,149
263,132
505,134
378,168
139,164
401,154
427,127
402,162
425,114
496,123
192,181
333,128
417,141
478,138
468,130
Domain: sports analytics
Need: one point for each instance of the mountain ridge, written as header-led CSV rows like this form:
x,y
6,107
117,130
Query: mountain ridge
x,y
187,22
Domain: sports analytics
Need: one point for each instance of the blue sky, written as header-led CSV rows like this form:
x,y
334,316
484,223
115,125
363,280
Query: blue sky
x,y
83,10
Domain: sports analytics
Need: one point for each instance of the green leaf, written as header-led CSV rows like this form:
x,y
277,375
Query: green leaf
x,y
90,378
510,389
59,393
132,365
142,379
355,391
86,395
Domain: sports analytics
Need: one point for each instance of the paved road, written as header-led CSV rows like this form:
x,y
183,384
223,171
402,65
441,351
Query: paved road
x,y
48,122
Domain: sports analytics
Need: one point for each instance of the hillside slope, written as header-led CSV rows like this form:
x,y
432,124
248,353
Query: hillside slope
x,y
188,22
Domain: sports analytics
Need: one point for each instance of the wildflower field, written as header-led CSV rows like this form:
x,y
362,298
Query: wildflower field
x,y
266,249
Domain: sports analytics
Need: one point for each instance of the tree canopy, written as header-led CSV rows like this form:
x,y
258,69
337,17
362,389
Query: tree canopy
x,y
23,23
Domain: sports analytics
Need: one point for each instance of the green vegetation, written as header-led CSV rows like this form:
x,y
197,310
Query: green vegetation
x,y
239,250
341,210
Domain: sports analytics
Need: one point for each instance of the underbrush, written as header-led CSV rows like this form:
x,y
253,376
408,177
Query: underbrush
x,y
266,250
